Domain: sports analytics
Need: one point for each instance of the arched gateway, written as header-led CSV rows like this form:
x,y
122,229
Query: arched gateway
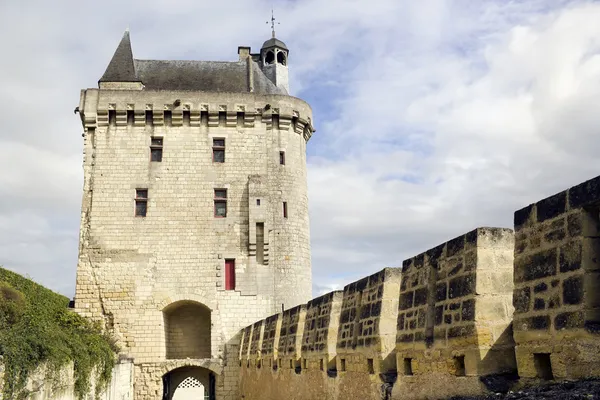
x,y
189,383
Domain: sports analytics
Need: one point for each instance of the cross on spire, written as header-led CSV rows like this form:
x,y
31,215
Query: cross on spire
x,y
273,23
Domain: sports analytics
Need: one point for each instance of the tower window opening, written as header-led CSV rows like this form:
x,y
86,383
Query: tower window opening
x,y
270,57
282,157
168,115
285,209
219,150
220,203
230,274
141,202
130,117
149,120
186,117
156,149
258,202
281,57
112,117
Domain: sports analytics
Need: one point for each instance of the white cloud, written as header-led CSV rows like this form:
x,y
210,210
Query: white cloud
x,y
433,117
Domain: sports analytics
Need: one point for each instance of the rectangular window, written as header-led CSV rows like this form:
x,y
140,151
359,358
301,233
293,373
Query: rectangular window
x,y
285,213
282,157
219,150
220,203
229,274
156,149
141,202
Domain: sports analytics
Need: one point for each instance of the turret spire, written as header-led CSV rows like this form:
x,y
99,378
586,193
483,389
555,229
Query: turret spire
x,y
121,67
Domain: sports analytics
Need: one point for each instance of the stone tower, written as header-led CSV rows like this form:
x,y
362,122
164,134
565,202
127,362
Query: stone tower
x,y
194,217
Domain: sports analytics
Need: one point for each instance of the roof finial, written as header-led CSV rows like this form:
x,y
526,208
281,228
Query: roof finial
x,y
273,23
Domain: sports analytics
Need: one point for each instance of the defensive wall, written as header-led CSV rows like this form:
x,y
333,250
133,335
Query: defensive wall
x,y
488,311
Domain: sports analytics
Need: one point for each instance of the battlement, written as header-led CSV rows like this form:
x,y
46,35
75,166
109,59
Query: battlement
x,y
447,315
101,108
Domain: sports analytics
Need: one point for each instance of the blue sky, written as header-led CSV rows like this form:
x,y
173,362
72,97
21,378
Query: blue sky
x,y
433,117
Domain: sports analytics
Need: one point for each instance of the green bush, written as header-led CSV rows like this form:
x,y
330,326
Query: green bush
x,y
36,327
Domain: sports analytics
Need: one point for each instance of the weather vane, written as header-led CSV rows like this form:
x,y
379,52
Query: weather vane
x,y
273,23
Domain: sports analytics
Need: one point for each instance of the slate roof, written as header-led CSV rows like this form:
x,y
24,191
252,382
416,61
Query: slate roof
x,y
274,42
121,67
208,76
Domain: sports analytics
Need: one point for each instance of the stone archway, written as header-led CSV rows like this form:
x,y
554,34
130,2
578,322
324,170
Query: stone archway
x,y
187,330
189,383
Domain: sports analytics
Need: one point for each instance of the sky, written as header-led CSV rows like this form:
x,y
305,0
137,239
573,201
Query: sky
x,y
433,117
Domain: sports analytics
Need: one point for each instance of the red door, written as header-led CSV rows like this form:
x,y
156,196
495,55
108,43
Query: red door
x,y
229,274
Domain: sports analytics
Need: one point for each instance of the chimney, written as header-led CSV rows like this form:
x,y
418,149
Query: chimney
x,y
244,52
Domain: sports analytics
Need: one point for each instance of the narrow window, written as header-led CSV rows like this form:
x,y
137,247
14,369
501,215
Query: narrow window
x,y
149,120
220,203
156,149
229,274
282,157
168,118
260,243
219,150
304,362
291,364
371,366
343,364
285,213
258,202
543,366
112,117
408,366
321,364
141,202
459,365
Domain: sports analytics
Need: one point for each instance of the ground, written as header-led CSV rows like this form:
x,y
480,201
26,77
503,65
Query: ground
x,y
583,389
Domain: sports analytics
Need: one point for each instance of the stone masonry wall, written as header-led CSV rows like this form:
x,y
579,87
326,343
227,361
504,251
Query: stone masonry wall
x,y
489,310
557,284
445,315
133,270
455,315
62,385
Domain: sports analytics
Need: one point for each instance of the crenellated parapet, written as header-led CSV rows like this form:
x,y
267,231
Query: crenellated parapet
x,y
101,108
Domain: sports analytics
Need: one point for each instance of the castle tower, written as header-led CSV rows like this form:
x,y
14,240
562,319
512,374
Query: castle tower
x,y
194,217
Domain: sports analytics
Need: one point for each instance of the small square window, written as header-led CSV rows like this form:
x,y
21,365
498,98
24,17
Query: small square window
x,y
258,202
219,150
156,149
220,203
141,202
282,157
